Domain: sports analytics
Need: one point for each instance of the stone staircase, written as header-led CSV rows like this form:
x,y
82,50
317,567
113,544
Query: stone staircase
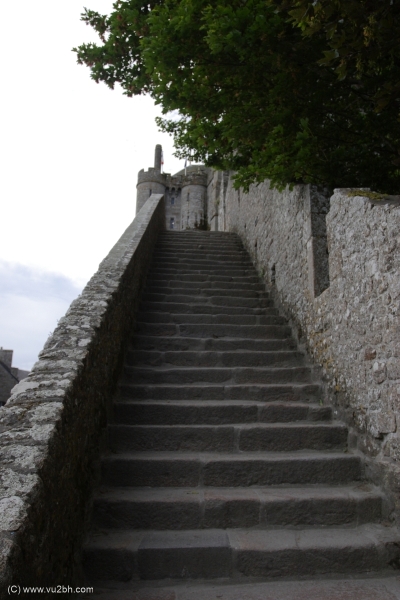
x,y
224,470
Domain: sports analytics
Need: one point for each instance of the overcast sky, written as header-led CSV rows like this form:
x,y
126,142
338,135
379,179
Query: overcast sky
x,y
70,150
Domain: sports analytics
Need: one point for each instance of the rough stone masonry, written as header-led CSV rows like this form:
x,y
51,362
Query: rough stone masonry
x,y
333,265
51,427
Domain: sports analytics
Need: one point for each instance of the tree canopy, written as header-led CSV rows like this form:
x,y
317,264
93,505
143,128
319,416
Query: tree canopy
x,y
290,90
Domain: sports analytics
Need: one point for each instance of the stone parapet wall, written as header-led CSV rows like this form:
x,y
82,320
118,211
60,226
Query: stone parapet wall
x,y
363,340
151,175
333,266
52,427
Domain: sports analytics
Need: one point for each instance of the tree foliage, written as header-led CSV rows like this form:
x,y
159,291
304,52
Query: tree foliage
x,y
292,91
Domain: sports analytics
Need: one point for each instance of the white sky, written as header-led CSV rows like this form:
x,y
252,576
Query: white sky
x,y
70,151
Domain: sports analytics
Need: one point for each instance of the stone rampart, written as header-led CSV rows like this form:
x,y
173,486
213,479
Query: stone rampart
x,y
52,427
333,266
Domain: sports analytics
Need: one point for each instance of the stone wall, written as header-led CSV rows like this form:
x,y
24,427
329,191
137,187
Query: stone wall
x,y
7,381
217,186
333,266
52,426
9,375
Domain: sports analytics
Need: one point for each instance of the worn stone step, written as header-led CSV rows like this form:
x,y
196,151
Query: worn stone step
x,y
245,437
200,245
221,273
170,257
189,469
208,318
175,259
194,236
196,278
162,344
197,291
170,252
226,375
203,309
379,586
213,553
309,392
261,507
235,286
191,412
237,358
314,551
213,330
223,301
199,261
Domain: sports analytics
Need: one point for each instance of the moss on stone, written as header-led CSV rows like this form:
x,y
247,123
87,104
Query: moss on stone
x,y
371,195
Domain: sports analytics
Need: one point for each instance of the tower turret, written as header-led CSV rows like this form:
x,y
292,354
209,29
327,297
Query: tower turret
x,y
157,157
151,181
194,199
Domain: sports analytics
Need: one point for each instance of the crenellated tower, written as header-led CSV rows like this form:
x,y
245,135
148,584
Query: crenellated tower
x,y
151,181
185,193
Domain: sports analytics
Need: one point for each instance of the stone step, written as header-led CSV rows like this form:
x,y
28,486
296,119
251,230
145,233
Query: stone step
x,y
379,586
308,393
213,330
196,291
261,507
222,272
194,412
183,278
168,252
194,245
199,238
176,259
211,300
202,285
209,318
163,344
212,252
214,553
240,358
195,234
200,246
215,248
246,437
221,375
203,309
190,469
